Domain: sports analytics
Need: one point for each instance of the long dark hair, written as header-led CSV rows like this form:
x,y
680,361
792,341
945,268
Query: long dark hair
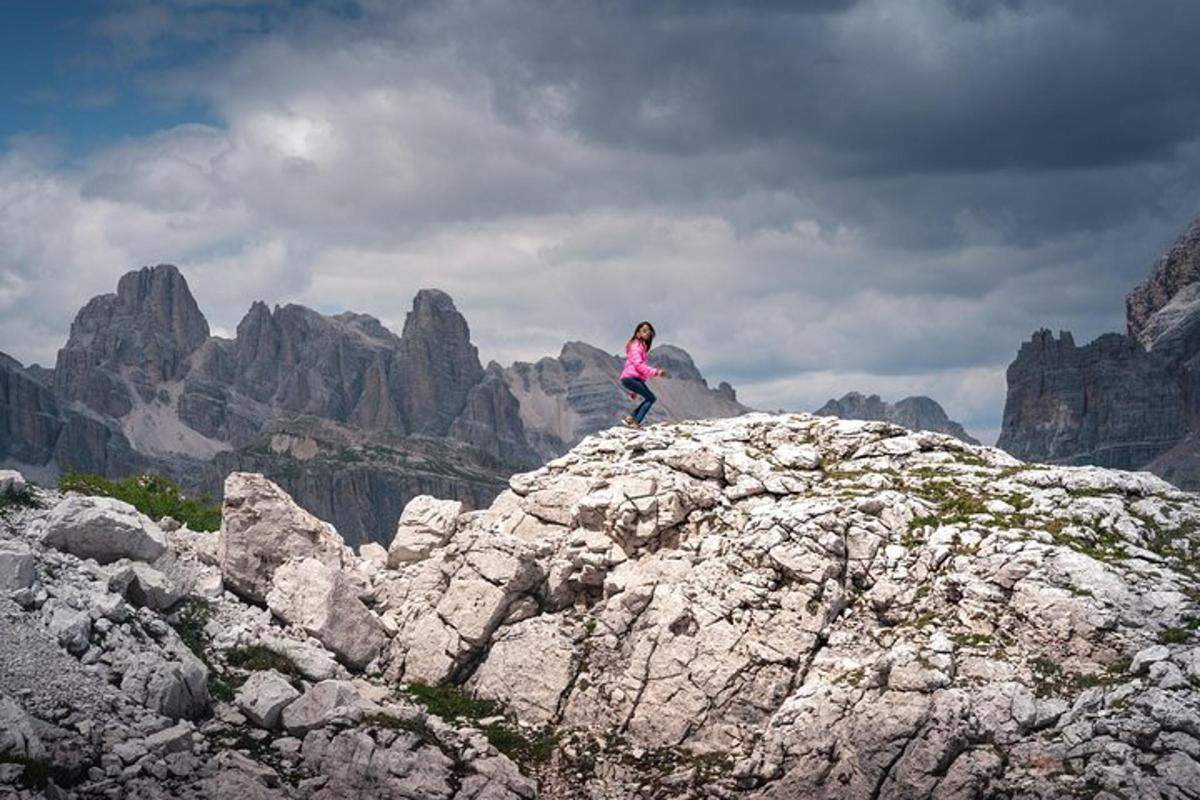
x,y
637,328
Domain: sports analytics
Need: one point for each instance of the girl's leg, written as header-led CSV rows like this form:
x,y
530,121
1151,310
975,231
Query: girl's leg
x,y
644,408
639,387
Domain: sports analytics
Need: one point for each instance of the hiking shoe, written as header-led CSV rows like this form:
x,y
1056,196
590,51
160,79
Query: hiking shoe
x,y
630,422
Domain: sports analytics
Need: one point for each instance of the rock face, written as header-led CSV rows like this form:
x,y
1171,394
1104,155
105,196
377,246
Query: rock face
x,y
1124,400
130,342
262,529
566,398
1160,303
1108,403
918,413
141,384
838,608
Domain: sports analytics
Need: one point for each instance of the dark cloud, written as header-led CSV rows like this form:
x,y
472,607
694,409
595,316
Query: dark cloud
x,y
881,195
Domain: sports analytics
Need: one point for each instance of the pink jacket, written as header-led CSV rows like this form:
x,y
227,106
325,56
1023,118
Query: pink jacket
x,y
635,362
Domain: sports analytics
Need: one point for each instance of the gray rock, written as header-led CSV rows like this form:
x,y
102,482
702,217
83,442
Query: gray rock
x,y
16,567
72,628
18,736
425,523
143,585
175,739
102,528
323,703
12,483
324,602
264,696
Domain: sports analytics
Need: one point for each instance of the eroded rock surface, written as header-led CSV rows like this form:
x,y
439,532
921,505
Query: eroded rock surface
x,y
837,608
760,607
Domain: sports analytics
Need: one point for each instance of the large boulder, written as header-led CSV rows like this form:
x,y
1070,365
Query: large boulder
x,y
425,523
102,528
324,601
261,529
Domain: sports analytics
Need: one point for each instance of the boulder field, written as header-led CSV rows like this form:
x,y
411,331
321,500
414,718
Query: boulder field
x,y
768,606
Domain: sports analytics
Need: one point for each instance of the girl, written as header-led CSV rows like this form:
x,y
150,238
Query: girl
x,y
636,371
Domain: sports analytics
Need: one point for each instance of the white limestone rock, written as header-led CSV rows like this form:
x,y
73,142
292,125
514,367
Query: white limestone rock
x,y
324,602
264,696
145,586
102,528
261,529
426,523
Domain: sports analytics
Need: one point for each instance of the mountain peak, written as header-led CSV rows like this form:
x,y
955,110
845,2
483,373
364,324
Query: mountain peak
x,y
1176,269
147,330
916,412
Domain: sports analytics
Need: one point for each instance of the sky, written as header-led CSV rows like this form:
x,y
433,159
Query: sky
x,y
885,196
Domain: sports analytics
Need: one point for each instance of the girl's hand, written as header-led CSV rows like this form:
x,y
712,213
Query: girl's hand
x,y
662,373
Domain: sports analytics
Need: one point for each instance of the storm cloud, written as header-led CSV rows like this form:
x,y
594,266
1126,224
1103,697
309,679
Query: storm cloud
x,y
886,195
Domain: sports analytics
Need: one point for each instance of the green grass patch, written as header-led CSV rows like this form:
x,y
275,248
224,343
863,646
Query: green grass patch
x,y
153,495
1051,679
1179,634
521,748
259,658
1099,545
451,702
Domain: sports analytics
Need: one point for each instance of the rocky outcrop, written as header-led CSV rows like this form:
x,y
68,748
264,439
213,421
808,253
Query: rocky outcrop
x,y
426,523
1127,401
759,607
1108,403
101,699
918,413
261,530
566,398
1158,304
43,436
836,608
321,600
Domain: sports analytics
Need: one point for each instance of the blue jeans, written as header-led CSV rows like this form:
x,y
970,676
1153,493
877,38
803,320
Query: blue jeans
x,y
638,386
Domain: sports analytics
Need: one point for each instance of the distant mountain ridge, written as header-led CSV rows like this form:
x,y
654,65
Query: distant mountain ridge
x,y
1129,401
352,419
917,412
